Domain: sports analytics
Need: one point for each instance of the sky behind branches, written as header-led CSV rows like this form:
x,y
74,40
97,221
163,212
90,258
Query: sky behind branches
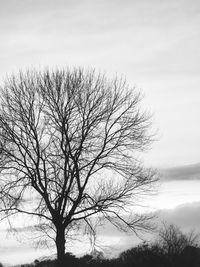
x,y
154,43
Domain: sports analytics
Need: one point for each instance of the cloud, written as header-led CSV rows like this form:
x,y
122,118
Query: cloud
x,y
186,216
187,172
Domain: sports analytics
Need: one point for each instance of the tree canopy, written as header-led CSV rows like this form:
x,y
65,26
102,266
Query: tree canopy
x,y
69,143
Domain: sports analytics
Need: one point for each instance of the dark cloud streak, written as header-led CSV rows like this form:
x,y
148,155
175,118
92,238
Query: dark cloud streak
x,y
179,173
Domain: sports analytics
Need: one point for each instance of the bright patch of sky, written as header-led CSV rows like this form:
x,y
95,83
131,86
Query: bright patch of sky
x,y
155,44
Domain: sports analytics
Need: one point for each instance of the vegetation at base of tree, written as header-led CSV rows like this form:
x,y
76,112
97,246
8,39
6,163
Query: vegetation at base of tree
x,y
145,255
166,251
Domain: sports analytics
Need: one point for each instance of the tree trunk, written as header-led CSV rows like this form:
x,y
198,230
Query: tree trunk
x,y
60,246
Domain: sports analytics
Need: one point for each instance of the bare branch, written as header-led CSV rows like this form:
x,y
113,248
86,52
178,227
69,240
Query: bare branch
x,y
70,139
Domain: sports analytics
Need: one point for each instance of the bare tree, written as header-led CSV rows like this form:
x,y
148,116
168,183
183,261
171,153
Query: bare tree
x,y
172,240
69,141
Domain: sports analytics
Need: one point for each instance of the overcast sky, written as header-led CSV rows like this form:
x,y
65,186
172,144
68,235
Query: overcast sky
x,y
154,43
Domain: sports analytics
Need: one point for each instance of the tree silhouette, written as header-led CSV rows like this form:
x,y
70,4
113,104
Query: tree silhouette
x,y
173,240
69,141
